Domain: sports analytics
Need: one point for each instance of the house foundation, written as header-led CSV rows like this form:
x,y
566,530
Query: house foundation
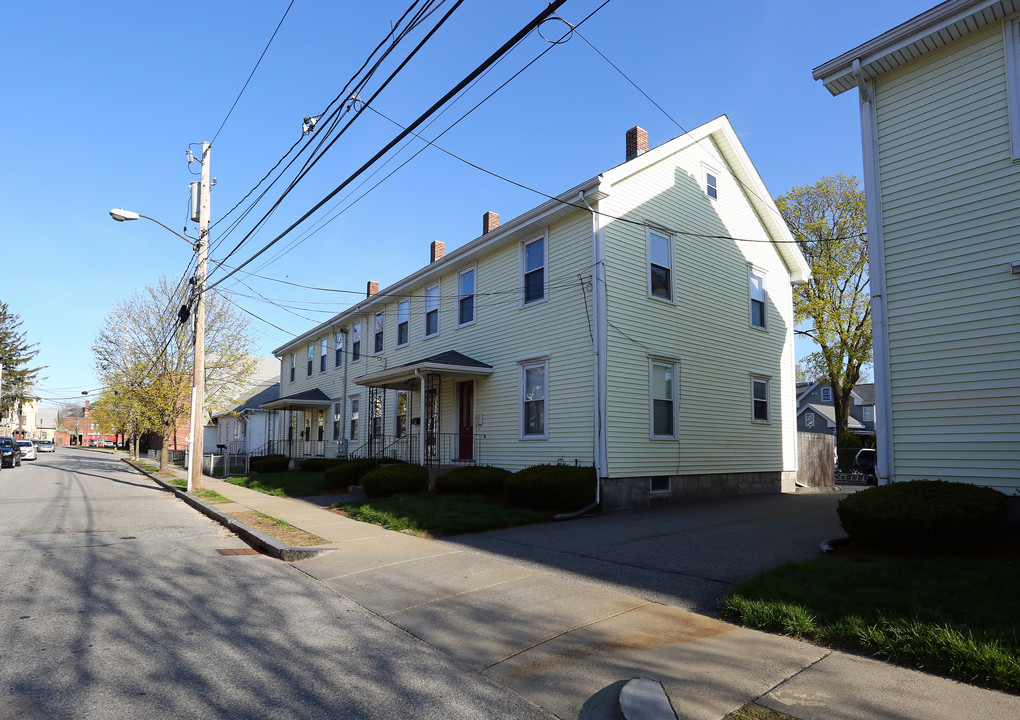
x,y
643,492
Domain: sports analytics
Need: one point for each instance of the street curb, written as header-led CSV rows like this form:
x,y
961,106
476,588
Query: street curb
x,y
259,540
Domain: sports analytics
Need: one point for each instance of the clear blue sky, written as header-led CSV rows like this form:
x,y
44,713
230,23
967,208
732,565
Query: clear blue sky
x,y
102,99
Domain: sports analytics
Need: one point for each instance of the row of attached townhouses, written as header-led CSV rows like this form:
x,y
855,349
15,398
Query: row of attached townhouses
x,y
640,322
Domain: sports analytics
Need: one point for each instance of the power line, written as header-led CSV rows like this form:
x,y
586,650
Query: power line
x,y
523,32
336,115
245,87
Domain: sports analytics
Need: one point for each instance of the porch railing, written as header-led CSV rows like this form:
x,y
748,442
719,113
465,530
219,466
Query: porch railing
x,y
440,448
292,448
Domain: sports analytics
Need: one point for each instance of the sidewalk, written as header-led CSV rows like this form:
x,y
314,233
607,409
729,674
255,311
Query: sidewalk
x,y
569,646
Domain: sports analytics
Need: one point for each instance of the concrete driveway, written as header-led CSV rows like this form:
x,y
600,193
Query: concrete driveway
x,y
686,556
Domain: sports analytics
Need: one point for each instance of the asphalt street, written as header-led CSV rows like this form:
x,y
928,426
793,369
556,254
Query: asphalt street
x,y
115,603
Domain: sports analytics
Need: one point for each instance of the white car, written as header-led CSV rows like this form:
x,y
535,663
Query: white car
x,y
27,449
45,446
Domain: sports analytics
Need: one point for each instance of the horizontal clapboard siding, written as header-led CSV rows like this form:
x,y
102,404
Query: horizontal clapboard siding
x,y
707,331
951,223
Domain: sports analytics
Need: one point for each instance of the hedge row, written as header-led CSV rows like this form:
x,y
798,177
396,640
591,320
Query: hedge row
x,y
269,464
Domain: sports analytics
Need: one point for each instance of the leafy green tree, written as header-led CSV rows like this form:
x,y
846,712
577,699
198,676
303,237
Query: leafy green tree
x,y
834,307
16,355
144,357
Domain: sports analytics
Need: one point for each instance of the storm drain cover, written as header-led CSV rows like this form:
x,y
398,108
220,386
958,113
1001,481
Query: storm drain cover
x,y
237,551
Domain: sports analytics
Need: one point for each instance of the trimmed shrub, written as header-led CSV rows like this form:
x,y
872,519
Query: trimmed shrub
x,y
319,464
400,479
926,515
554,487
269,464
349,472
477,480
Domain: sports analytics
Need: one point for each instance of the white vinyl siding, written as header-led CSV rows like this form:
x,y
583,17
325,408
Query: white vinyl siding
x,y
706,328
950,223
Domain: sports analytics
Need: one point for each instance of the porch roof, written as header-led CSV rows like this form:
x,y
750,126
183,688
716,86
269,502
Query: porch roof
x,y
308,398
450,364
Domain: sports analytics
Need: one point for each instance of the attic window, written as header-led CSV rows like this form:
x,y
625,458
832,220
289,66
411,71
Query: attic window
x,y
712,184
826,394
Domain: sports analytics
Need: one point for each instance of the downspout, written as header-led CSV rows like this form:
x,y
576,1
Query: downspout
x,y
876,263
344,429
598,358
421,420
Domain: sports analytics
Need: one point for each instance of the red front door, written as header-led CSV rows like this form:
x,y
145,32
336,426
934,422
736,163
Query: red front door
x,y
465,420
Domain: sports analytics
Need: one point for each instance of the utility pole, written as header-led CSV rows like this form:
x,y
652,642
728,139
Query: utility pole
x,y
197,414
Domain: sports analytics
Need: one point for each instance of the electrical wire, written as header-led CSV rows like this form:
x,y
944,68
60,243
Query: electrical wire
x,y
523,32
252,74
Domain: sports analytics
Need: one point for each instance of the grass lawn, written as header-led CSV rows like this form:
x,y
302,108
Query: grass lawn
x,y
284,484
947,615
210,496
439,514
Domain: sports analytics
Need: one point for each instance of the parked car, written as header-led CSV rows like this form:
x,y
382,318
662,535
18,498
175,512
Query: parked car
x,y
865,462
27,450
45,446
109,443
10,453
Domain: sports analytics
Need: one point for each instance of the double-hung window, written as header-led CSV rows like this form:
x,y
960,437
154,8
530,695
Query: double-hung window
x,y
534,393
432,311
355,403
403,316
466,297
293,365
338,338
826,394
756,279
311,353
323,351
355,342
660,265
533,266
380,322
400,419
338,419
711,182
663,392
760,411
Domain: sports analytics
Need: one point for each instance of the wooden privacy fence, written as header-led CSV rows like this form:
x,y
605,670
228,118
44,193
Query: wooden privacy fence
x,y
816,458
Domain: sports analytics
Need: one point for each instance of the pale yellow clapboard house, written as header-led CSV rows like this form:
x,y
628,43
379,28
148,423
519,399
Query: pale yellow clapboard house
x,y
940,120
641,322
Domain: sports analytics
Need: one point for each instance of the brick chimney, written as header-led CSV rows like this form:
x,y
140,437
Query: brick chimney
x,y
490,221
372,289
637,142
437,250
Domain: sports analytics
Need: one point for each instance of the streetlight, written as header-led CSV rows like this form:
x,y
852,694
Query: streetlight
x,y
198,380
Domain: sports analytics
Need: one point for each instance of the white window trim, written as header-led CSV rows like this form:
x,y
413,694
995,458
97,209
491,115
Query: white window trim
x,y
474,316
338,344
311,359
347,420
545,270
524,365
707,170
324,354
356,339
1011,28
809,419
652,362
293,367
375,331
338,425
822,392
649,230
396,333
407,412
755,270
669,485
425,312
768,399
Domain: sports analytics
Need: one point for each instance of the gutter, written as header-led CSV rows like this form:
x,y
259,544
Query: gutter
x,y
876,262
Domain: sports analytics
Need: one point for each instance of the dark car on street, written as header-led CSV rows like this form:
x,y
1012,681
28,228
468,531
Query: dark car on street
x,y
10,453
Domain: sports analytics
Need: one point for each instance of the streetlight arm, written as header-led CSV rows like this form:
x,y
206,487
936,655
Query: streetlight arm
x,y
122,215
